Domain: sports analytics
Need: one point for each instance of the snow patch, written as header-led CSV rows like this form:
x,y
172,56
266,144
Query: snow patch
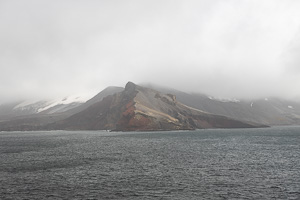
x,y
37,106
224,99
25,103
64,101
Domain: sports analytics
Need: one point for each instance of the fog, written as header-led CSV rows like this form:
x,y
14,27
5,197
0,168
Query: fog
x,y
224,48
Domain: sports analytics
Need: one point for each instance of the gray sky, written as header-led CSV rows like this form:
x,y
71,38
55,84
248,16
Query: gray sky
x,y
226,48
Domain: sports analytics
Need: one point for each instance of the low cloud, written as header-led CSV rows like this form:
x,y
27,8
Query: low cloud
x,y
242,49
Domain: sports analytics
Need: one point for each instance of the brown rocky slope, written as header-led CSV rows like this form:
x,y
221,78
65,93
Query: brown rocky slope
x,y
142,109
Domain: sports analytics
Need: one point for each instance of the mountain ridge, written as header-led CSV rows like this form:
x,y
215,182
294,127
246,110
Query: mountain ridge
x,y
268,111
142,109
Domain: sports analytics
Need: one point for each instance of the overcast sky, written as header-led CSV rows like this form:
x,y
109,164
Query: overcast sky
x,y
225,48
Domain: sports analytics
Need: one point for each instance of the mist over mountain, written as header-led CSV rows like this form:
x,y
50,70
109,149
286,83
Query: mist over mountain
x,y
239,59
142,109
28,115
225,49
270,111
134,108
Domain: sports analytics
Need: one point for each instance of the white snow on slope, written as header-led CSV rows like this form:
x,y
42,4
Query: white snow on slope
x,y
37,106
64,101
223,99
24,104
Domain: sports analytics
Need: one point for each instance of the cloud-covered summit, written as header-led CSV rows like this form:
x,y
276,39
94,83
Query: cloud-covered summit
x,y
243,49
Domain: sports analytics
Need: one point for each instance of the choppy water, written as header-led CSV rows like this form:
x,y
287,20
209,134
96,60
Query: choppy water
x,y
203,164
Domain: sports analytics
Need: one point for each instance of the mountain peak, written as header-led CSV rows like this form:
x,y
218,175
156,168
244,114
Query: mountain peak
x,y
130,86
139,108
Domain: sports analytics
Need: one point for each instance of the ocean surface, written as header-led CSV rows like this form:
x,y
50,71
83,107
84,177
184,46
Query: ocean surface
x,y
201,164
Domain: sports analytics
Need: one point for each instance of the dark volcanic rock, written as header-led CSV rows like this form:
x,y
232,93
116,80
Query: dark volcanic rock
x,y
141,109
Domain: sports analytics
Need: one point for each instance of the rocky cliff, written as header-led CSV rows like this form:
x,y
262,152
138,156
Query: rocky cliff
x,y
141,109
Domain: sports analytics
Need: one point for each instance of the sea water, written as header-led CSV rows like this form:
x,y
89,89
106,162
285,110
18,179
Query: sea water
x,y
202,164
